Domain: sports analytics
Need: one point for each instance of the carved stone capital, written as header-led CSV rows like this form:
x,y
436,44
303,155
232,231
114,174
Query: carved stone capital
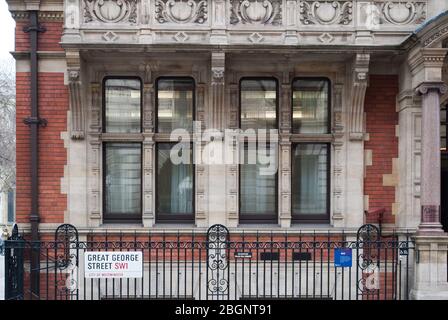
x,y
426,87
360,77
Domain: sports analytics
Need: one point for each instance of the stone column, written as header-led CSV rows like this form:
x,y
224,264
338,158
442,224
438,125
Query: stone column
x,y
431,243
430,166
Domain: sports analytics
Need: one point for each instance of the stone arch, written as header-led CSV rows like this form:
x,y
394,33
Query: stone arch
x,y
434,33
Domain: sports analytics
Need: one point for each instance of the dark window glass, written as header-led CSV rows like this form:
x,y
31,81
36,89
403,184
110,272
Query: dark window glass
x,y
258,104
258,185
175,104
11,209
310,105
122,105
310,183
174,183
122,180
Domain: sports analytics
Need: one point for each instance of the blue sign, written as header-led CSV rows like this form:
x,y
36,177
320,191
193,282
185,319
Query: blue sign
x,y
342,257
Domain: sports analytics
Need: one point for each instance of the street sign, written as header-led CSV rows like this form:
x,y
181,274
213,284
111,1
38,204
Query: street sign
x,y
342,257
107,264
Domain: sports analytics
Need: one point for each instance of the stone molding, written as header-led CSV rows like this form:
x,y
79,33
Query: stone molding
x,y
43,16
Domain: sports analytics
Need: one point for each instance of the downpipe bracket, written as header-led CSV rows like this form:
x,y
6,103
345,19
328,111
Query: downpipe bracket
x,y
35,121
30,28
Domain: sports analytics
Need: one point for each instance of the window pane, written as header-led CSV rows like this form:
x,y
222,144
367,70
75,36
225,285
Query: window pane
x,y
122,105
310,106
258,104
11,209
123,179
309,179
175,104
174,182
258,188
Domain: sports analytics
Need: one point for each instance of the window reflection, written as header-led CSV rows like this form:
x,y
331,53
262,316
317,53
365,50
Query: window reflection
x,y
310,106
175,104
122,106
258,104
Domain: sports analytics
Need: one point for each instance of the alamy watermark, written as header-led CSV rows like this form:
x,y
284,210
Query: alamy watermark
x,y
232,146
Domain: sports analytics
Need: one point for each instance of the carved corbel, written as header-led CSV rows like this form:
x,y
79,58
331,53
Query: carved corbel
x,y
359,86
76,102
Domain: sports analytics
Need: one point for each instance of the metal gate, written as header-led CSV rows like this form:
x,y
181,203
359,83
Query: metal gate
x,y
217,265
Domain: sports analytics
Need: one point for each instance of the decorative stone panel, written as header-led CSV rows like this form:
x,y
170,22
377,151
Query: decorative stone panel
x,y
326,12
181,11
401,12
110,11
267,12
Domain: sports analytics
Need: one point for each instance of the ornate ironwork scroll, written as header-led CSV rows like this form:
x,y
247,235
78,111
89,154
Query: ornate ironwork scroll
x,y
217,262
14,254
66,261
368,260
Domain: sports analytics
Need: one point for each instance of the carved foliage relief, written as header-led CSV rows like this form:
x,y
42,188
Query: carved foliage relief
x,y
326,12
401,12
110,11
256,12
181,11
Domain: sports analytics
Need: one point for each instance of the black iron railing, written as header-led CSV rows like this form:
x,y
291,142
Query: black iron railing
x,y
222,266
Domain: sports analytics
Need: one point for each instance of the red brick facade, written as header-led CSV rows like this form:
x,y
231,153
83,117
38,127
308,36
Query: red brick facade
x,y
381,122
48,41
53,106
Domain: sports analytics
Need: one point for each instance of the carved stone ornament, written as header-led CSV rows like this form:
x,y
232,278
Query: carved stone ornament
x,y
326,12
110,11
76,107
256,12
359,86
402,12
181,11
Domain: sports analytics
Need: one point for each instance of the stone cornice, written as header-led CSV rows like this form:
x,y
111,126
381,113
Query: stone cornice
x,y
42,15
427,57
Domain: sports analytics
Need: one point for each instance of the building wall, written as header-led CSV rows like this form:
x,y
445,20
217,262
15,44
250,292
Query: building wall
x,y
381,147
53,106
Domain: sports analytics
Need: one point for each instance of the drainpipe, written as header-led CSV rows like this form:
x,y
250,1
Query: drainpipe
x,y
34,122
